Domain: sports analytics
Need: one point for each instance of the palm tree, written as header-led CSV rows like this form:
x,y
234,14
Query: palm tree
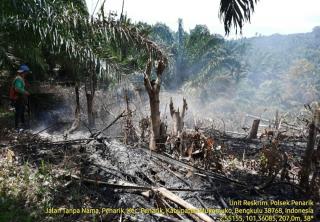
x,y
235,13
63,28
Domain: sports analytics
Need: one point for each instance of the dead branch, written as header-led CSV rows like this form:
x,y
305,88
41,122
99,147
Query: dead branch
x,y
174,198
180,177
196,169
95,135
177,117
125,185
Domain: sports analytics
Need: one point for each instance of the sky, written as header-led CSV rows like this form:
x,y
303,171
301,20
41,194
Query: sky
x,y
270,16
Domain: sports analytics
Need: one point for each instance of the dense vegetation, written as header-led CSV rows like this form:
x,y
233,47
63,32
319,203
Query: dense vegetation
x,y
88,49
284,69
248,72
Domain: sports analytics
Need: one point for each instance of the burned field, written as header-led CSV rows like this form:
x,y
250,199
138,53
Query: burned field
x,y
199,174
107,118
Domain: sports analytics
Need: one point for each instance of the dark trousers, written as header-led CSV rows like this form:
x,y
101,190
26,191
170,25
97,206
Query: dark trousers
x,y
19,114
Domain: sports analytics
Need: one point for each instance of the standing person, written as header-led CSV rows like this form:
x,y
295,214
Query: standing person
x,y
18,95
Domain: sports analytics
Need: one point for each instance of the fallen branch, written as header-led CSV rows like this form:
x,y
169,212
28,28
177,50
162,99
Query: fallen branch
x,y
49,127
284,183
121,184
179,176
176,199
167,218
95,135
196,169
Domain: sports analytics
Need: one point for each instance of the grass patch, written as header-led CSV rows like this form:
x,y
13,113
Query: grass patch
x,y
25,191
6,118
12,210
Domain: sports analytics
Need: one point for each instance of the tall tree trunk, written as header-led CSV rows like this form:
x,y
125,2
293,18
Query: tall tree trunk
x,y
76,89
180,75
90,88
153,89
91,119
277,120
155,121
77,111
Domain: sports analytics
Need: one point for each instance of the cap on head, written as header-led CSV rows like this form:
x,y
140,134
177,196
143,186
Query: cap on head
x,y
23,69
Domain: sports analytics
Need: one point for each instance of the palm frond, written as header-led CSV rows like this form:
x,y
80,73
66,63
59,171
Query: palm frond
x,y
235,13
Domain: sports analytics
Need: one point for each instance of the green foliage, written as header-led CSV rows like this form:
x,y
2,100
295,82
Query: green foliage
x,y
252,72
46,33
283,71
34,29
236,13
12,210
24,191
162,34
302,82
201,58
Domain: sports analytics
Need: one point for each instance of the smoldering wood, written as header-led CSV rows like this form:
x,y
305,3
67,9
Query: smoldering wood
x,y
123,185
176,170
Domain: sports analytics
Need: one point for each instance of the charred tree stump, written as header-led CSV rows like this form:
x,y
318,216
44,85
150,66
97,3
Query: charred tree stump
x,y
306,163
90,89
153,89
144,125
315,181
307,159
177,117
310,153
76,123
130,135
277,120
91,120
254,129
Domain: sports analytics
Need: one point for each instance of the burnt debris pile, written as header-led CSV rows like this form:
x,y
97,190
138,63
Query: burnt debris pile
x,y
201,168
